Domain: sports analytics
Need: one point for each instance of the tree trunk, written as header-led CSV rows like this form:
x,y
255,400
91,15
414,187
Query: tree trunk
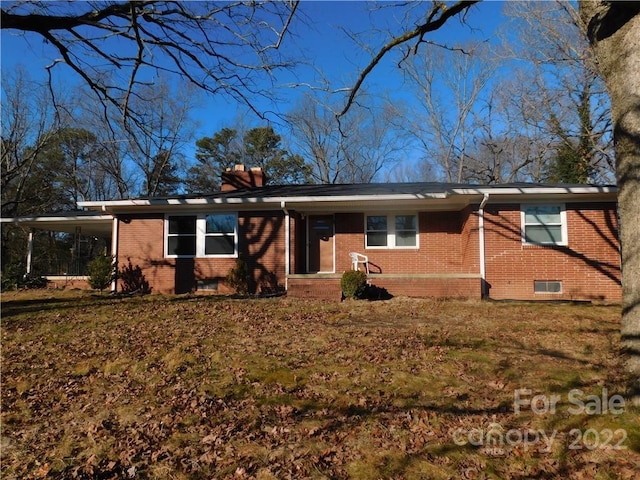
x,y
613,29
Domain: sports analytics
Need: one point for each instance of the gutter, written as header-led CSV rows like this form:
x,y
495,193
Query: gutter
x,y
484,291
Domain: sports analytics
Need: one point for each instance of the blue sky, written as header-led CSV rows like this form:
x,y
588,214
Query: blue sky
x,y
320,41
330,51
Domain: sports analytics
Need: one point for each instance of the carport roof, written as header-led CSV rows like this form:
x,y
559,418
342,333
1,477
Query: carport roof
x,y
84,222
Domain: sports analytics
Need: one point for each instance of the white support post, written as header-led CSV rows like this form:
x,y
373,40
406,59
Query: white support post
x,y
287,241
29,251
114,252
483,274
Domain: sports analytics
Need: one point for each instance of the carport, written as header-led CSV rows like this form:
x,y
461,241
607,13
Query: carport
x,y
77,223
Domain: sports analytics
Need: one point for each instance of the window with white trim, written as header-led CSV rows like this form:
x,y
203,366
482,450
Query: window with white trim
x,y
391,231
544,224
203,235
181,236
220,234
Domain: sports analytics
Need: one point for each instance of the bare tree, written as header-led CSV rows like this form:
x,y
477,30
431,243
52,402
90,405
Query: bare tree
x,y
560,89
409,40
449,84
506,145
155,145
221,47
28,125
352,149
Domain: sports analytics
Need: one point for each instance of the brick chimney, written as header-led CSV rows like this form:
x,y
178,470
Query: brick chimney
x,y
239,178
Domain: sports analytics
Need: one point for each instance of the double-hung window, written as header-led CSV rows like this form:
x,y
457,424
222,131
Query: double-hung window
x,y
391,231
544,224
204,235
220,234
181,236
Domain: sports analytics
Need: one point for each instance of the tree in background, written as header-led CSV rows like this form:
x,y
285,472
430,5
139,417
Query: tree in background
x,y
263,148
28,126
213,156
155,146
74,157
259,147
350,149
449,84
162,176
558,90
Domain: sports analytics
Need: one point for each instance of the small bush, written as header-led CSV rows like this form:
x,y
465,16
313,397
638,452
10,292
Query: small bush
x,y
238,277
30,281
132,280
12,275
100,271
353,284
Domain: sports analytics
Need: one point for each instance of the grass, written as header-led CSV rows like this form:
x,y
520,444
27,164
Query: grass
x,y
206,387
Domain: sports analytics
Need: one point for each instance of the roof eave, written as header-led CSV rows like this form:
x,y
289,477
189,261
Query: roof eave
x,y
455,197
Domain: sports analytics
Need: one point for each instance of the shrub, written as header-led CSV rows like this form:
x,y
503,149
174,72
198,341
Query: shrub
x,y
14,277
269,284
12,274
30,281
353,284
100,271
132,280
238,277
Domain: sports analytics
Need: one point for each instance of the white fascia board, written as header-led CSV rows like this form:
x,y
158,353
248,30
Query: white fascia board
x,y
106,217
201,201
472,193
92,224
497,190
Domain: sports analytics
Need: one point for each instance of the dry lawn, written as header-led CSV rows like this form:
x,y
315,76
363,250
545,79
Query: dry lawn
x,y
204,387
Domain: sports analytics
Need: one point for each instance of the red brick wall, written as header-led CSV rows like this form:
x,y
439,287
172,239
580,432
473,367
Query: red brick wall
x,y
261,245
589,266
447,245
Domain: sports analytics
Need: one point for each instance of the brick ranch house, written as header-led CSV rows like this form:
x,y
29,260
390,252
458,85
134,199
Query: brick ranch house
x,y
512,241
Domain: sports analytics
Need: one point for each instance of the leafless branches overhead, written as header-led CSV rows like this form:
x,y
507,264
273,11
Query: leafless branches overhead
x,y
435,18
115,47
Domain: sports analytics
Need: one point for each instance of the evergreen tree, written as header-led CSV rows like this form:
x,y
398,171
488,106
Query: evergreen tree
x,y
259,147
213,155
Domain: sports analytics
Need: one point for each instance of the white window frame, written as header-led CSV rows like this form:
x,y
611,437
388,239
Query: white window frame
x,y
201,234
167,235
391,231
563,224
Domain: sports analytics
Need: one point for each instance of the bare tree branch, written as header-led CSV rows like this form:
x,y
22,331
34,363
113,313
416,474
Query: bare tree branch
x,y
224,48
436,18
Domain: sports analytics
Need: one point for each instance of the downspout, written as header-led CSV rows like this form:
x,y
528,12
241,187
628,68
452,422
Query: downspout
x,y
483,273
287,246
114,253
